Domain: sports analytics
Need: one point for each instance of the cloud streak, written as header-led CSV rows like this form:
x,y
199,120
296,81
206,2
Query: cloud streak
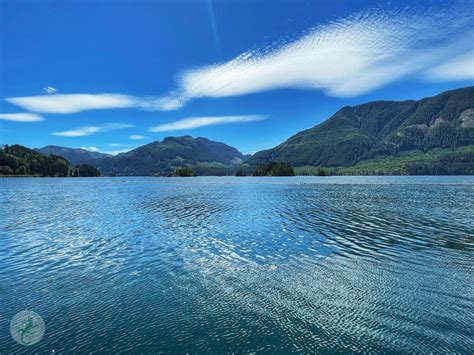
x,y
88,130
136,137
348,57
458,68
115,152
195,122
49,90
21,117
91,149
73,103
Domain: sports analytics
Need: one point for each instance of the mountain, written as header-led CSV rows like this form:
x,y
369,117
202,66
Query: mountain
x,y
206,157
381,128
74,155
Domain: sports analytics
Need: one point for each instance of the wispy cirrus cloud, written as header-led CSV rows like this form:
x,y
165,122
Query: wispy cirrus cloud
x,y
21,117
73,103
50,90
88,130
348,57
195,122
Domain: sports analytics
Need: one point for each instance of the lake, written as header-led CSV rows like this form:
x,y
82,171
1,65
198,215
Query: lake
x,y
243,265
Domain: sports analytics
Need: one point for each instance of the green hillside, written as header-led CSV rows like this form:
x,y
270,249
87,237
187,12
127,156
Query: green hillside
x,y
458,161
206,157
435,162
381,128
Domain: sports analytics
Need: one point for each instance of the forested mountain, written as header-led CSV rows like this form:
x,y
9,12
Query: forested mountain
x,y
22,161
74,155
381,128
206,157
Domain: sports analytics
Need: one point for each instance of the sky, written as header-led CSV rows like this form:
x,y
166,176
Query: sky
x,y
111,75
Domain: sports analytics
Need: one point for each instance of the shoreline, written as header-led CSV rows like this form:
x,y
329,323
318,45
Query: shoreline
x,y
217,176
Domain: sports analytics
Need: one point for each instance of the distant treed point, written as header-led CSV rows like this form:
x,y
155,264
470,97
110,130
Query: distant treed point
x,y
17,160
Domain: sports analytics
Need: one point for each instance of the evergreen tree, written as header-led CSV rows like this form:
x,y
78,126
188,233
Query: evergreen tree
x,y
274,169
240,172
184,171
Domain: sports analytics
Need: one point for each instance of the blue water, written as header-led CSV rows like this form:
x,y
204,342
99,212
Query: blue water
x,y
243,265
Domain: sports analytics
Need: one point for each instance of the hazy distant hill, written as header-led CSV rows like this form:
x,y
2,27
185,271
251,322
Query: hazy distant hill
x,y
74,155
206,157
381,128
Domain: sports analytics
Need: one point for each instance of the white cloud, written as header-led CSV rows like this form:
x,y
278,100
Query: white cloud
x,y
49,90
115,152
91,149
136,137
171,102
194,122
21,117
73,103
458,68
111,152
345,58
78,132
88,130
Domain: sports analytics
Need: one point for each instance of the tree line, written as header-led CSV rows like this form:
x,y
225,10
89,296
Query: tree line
x,y
16,160
268,169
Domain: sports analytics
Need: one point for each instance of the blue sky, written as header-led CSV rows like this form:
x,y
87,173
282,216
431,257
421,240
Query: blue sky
x,y
113,75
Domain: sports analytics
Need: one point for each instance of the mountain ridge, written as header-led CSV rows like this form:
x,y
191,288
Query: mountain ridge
x,y
73,155
355,133
162,157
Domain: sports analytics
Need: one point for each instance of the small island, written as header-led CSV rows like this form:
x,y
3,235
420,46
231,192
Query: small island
x,y
274,169
184,171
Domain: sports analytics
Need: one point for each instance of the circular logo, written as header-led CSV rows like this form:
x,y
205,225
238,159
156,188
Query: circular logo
x,y
27,328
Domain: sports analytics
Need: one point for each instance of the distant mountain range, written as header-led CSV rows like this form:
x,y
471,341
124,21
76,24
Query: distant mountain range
x,y
434,135
74,155
206,157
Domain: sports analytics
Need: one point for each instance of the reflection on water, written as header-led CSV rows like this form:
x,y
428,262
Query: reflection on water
x,y
240,264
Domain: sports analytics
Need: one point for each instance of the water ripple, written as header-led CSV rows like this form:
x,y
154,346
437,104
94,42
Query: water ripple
x,y
220,265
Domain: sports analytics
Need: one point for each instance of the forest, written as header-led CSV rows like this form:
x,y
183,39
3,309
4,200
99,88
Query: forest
x,y
16,160
274,169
